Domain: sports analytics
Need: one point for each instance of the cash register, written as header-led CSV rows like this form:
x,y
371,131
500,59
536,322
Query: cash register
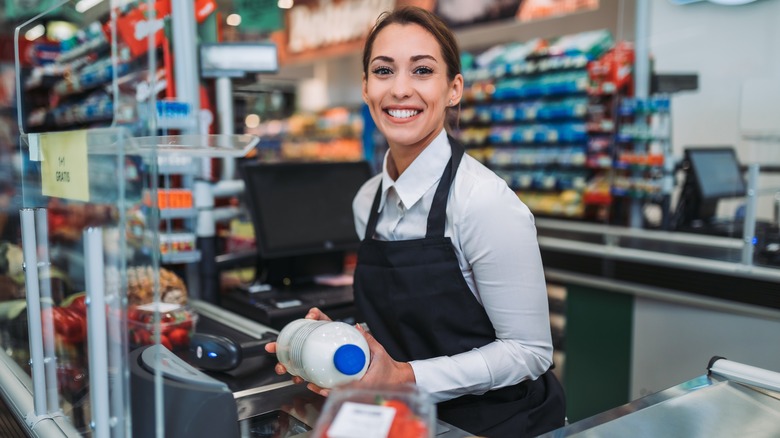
x,y
713,174
305,232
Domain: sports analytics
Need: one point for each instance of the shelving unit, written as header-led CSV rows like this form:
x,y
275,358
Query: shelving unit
x,y
177,241
105,78
77,89
643,167
557,121
526,115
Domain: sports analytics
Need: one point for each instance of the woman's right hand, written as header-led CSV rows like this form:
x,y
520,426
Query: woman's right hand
x,y
315,314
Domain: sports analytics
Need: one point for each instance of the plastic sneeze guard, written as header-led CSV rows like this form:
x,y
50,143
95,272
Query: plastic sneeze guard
x,y
220,145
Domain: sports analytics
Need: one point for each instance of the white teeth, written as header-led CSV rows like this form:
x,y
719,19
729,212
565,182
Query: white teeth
x,y
402,114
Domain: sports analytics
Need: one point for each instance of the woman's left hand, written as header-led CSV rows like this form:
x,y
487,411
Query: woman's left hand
x,y
382,369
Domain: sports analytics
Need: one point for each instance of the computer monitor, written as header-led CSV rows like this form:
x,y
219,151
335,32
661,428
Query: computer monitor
x,y
302,215
712,174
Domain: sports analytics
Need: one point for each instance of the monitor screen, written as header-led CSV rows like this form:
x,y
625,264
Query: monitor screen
x,y
717,172
303,208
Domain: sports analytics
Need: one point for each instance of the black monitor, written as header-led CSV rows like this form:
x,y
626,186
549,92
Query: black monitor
x,y
302,215
712,174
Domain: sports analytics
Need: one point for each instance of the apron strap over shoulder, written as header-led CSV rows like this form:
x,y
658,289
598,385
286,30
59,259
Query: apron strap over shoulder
x,y
437,218
373,215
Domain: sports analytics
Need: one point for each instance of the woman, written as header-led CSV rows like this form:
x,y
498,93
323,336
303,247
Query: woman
x,y
449,277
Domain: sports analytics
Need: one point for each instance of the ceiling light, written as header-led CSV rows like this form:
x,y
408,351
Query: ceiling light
x,y
252,121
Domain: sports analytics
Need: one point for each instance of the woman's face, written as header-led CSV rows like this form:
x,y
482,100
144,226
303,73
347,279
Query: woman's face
x,y
407,90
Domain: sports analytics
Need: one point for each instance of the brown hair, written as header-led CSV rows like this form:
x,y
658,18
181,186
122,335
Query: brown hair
x,y
428,21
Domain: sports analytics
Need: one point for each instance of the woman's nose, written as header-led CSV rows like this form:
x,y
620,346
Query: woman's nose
x,y
401,87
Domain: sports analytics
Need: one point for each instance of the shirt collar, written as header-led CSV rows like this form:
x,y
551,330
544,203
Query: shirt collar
x,y
421,175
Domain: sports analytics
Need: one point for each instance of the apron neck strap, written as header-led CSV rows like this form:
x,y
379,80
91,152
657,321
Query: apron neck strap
x,y
438,214
437,217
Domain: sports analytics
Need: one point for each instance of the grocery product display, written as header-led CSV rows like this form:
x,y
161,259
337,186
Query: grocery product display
x,y
541,114
333,134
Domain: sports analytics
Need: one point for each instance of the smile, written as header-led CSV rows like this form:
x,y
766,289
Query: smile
x,y
402,113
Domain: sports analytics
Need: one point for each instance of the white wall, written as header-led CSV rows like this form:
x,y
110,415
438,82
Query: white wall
x,y
733,49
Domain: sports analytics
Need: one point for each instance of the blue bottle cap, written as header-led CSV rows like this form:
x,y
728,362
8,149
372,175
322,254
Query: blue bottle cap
x,y
349,359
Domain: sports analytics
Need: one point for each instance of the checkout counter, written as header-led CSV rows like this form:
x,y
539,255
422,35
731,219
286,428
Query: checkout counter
x,y
266,404
643,308
269,404
732,399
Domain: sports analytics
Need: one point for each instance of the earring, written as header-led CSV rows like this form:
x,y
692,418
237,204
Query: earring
x,y
450,104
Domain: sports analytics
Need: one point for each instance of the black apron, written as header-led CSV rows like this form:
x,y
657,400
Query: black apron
x,y
417,304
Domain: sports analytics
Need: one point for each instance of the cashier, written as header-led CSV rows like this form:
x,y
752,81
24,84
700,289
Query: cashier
x,y
449,276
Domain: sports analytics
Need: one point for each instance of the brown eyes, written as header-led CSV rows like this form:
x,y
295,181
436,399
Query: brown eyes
x,y
384,71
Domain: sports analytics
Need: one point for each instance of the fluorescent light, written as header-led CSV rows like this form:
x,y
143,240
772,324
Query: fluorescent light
x,y
35,33
732,2
285,4
85,5
233,20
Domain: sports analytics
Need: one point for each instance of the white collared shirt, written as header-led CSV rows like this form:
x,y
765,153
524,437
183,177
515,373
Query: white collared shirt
x,y
494,237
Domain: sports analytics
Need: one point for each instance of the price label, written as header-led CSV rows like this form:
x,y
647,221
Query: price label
x,y
358,420
64,170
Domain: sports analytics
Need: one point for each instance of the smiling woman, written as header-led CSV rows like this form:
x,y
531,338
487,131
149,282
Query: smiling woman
x,y
407,91
449,278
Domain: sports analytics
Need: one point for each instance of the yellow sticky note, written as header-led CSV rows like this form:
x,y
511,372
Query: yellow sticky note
x,y
64,170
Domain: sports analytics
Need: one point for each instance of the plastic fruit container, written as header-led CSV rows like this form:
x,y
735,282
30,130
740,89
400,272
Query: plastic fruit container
x,y
382,411
177,324
323,352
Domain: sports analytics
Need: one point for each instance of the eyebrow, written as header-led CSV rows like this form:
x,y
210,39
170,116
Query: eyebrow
x,y
414,58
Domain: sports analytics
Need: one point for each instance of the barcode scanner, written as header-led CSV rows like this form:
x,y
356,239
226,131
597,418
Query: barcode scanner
x,y
220,353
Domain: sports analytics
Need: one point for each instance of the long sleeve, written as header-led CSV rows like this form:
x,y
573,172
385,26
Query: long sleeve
x,y
496,239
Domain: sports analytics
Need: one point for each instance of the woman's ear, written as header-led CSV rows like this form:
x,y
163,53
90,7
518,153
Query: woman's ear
x,y
365,90
456,90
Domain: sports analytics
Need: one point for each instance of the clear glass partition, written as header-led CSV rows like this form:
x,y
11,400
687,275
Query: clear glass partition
x,y
99,193
92,221
88,223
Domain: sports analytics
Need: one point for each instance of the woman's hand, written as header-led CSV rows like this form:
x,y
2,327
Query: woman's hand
x,y
383,369
316,314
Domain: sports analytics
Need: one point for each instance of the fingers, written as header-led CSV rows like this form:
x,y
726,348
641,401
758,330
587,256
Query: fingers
x,y
373,344
316,389
280,369
270,347
316,314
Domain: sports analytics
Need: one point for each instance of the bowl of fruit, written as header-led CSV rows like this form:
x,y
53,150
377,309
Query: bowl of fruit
x,y
175,323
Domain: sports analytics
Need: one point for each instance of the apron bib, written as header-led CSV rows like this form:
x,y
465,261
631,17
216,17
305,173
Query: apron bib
x,y
413,297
